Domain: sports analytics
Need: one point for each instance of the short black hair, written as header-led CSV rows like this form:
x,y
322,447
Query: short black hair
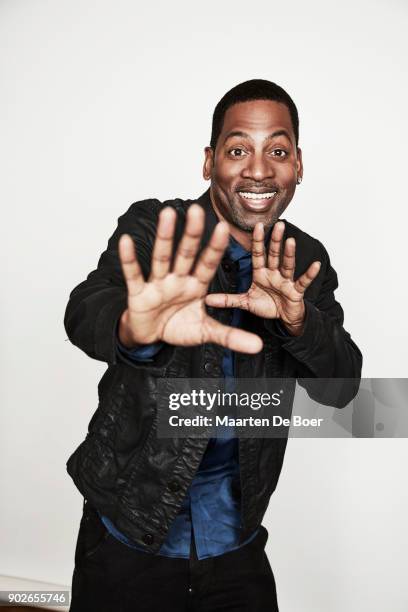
x,y
255,89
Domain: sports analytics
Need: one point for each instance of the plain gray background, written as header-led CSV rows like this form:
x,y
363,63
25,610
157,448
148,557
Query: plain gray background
x,y
105,103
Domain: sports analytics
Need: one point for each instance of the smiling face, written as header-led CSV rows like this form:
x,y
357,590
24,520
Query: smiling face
x,y
255,165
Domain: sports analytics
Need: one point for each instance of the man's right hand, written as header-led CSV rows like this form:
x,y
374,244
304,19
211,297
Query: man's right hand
x,y
170,305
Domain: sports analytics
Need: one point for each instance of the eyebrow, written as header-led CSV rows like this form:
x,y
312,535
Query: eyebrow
x,y
240,134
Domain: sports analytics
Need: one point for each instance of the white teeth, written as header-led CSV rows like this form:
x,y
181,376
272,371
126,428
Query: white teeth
x,y
257,196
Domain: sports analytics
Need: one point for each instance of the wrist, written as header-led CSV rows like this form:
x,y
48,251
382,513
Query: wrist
x,y
294,330
296,327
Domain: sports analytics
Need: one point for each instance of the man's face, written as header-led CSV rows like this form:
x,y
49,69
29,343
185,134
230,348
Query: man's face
x,y
255,165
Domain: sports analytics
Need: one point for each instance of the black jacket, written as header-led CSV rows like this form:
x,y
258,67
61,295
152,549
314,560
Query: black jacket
x,y
122,467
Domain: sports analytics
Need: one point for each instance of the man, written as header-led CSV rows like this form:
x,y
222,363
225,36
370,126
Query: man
x,y
217,287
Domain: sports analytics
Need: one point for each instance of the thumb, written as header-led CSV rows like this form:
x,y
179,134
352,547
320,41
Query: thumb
x,y
231,337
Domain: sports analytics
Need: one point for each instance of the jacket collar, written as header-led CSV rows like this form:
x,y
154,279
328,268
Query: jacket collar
x,y
211,218
220,281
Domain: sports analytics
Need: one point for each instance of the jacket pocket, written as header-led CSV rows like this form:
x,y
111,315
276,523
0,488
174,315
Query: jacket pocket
x,y
92,535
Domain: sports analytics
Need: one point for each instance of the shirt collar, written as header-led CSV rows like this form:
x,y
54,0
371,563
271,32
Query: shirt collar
x,y
236,251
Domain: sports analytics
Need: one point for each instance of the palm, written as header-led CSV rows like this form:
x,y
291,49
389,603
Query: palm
x,y
172,309
170,305
189,325
273,293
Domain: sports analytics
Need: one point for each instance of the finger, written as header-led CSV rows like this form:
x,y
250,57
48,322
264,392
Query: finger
x,y
303,282
190,241
130,266
212,254
228,300
232,338
258,247
289,258
275,245
162,248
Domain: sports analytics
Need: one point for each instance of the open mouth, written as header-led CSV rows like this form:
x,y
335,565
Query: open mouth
x,y
255,201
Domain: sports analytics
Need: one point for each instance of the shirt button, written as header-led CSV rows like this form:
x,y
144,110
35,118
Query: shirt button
x,y
227,267
174,486
209,367
148,538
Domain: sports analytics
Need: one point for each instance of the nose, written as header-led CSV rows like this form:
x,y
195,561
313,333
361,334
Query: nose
x,y
258,168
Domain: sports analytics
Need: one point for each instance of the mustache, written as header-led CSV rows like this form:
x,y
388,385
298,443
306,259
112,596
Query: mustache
x,y
257,187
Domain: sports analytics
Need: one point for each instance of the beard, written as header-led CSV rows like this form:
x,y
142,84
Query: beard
x,y
245,220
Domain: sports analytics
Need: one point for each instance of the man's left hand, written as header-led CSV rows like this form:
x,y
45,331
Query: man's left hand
x,y
273,294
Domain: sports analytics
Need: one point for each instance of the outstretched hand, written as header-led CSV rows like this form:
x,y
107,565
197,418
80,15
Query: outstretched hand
x,y
273,294
170,305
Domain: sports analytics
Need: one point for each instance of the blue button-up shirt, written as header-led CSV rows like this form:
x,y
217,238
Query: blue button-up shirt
x,y
210,512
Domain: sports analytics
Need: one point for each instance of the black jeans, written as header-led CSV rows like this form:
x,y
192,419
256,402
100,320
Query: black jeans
x,y
112,577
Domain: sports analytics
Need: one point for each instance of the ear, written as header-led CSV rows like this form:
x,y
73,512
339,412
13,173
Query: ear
x,y
299,162
208,163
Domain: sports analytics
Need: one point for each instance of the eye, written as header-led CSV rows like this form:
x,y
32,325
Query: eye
x,y
279,153
237,152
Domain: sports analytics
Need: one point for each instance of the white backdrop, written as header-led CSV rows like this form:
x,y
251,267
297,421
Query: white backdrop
x,y
104,103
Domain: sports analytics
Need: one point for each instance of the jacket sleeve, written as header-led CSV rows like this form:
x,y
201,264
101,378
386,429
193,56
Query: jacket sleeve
x,y
325,350
96,304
